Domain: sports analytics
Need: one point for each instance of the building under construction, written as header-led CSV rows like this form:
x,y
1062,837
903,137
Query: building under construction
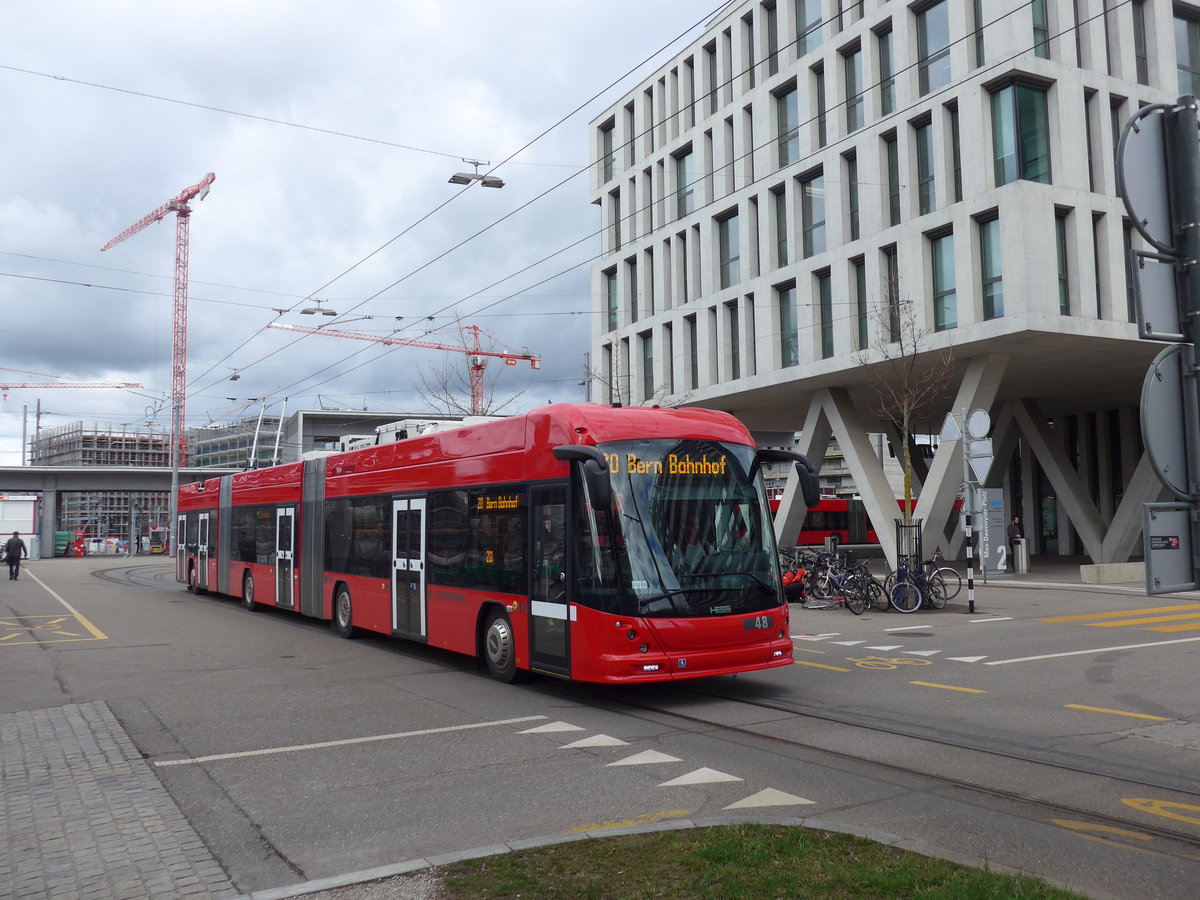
x,y
78,444
104,518
248,443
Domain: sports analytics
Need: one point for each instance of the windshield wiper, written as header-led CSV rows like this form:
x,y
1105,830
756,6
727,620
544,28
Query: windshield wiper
x,y
645,602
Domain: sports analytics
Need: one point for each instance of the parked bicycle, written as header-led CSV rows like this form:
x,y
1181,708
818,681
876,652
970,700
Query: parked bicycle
x,y
912,586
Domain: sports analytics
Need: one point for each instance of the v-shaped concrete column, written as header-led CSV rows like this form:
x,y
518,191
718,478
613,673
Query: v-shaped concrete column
x,y
977,390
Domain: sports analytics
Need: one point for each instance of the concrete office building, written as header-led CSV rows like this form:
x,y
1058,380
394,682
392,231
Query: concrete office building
x,y
806,164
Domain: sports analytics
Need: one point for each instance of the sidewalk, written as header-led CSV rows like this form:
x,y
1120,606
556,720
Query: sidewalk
x,y
82,815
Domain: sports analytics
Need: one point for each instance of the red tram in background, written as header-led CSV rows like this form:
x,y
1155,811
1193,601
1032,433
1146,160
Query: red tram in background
x,y
595,543
845,518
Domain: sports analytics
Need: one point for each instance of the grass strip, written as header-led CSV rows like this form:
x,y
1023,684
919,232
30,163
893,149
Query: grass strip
x,y
729,862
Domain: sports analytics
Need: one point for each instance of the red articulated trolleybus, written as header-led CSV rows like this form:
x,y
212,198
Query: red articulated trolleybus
x,y
597,543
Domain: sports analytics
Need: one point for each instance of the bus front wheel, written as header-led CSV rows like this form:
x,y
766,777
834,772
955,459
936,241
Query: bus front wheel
x,y
499,647
248,593
194,582
343,613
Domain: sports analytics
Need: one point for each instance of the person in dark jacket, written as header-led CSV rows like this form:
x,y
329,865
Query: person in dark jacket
x,y
14,549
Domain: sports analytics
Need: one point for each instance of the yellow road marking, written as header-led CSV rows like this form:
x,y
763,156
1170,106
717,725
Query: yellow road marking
x,y
646,819
1118,712
1192,627
1145,620
947,687
800,662
806,650
1164,808
28,628
1113,615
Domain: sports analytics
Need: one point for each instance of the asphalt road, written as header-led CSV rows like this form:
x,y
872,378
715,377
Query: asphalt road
x,y
1055,731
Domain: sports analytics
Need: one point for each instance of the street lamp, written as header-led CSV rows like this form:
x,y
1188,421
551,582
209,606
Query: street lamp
x,y
492,181
318,309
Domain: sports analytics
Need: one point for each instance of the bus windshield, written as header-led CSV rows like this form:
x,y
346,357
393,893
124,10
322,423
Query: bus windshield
x,y
688,533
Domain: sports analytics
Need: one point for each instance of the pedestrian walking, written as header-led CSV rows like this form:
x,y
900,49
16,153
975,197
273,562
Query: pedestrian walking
x,y
14,549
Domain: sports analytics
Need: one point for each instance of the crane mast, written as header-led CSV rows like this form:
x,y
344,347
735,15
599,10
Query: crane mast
x,y
477,357
179,206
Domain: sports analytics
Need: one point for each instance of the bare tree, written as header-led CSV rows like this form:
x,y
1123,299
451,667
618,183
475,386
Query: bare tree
x,y
906,376
445,386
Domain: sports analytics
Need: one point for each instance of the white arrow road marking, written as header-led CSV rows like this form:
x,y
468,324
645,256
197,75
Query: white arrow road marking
x,y
965,658
886,647
646,758
848,643
598,740
769,797
700,776
921,652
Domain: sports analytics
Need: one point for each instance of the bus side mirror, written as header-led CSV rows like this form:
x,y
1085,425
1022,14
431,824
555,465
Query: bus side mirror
x,y
810,483
594,469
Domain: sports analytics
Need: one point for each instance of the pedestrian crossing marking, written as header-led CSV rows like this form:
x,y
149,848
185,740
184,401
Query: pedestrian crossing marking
x,y
1126,612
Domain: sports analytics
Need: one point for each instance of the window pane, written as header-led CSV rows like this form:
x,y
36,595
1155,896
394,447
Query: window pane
x,y
730,251
789,342
925,183
933,46
825,292
887,75
813,203
989,247
854,98
1035,134
945,305
1004,138
789,138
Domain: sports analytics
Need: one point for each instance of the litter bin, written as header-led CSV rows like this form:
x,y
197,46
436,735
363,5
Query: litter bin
x,y
1021,556
831,543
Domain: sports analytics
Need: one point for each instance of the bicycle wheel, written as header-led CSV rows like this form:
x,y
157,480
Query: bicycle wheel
x,y
935,591
856,597
905,597
951,579
876,594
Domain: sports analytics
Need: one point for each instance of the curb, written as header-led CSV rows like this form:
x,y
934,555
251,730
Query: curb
x,y
816,823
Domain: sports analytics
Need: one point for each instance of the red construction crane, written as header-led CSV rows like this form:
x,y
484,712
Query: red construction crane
x,y
179,206
476,356
7,386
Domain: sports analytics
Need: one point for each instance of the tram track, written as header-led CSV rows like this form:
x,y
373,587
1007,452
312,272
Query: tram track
x,y
927,747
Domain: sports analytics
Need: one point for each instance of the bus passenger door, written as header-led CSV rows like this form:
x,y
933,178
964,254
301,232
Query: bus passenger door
x,y
202,552
285,557
408,567
550,646
180,538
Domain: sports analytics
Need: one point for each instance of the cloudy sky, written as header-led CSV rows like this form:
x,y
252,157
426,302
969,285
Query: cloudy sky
x,y
332,129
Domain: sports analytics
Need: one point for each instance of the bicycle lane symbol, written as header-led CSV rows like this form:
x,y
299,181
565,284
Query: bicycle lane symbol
x,y
884,662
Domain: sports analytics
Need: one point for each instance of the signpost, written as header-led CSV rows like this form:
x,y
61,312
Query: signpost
x,y
1158,171
977,459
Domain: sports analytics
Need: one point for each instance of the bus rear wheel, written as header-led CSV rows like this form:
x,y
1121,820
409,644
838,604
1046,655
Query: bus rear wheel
x,y
343,613
499,647
248,593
